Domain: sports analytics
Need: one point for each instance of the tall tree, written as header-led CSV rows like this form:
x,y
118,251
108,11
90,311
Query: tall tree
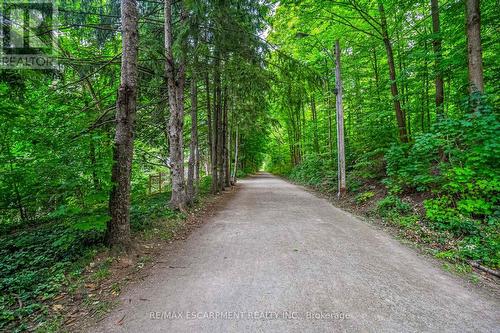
x,y
315,125
400,118
175,86
340,123
118,228
436,43
226,141
474,49
193,146
217,128
211,146
235,168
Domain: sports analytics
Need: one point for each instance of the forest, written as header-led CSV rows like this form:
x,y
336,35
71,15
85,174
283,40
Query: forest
x,y
155,105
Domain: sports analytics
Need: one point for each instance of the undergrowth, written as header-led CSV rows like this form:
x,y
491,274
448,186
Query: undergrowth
x,y
36,262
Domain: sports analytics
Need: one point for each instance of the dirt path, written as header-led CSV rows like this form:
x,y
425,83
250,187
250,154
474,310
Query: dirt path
x,y
279,259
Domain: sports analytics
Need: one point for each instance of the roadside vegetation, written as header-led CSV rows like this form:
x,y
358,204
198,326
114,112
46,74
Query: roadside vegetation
x,y
435,175
64,259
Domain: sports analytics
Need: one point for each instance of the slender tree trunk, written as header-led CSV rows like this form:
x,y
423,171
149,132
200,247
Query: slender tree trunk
x,y
400,66
197,167
476,80
193,164
298,132
303,136
227,148
330,135
193,145
224,141
235,169
426,100
118,228
291,148
340,124
436,44
315,124
215,136
221,106
217,129
209,121
403,135
175,87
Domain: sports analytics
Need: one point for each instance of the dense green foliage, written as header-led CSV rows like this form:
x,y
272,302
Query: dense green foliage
x,y
451,160
464,182
270,66
57,131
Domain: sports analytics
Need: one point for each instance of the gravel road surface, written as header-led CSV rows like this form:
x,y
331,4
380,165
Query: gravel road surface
x,y
276,258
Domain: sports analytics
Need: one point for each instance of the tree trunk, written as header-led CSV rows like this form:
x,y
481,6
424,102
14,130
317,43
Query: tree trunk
x,y
436,44
227,149
175,85
235,169
221,106
193,164
426,100
315,124
403,136
209,122
118,228
197,167
340,124
193,146
216,127
476,80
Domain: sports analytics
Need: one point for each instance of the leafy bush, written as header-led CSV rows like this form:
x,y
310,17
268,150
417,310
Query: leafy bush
x,y
413,166
459,163
315,171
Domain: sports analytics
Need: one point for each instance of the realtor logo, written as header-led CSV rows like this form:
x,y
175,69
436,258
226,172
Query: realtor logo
x,y
28,36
